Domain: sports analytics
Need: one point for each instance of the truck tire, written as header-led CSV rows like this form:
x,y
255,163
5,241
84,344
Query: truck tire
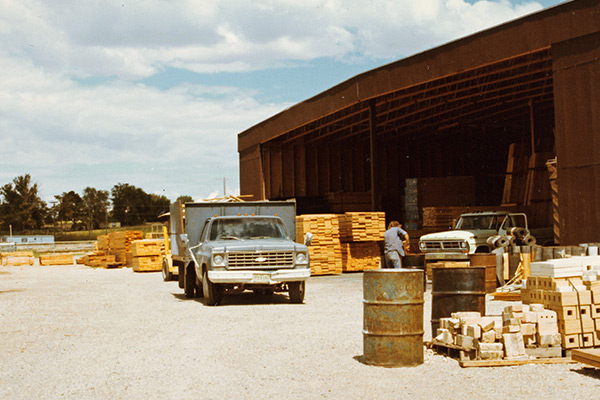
x,y
181,276
189,288
212,292
296,291
166,274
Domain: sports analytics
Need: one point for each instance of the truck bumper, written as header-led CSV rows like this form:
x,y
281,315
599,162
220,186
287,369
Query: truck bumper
x,y
259,277
446,256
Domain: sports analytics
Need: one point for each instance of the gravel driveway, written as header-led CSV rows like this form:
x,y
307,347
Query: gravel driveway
x,y
80,333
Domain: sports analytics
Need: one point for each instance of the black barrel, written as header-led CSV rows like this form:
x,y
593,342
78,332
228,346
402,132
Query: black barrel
x,y
393,318
456,289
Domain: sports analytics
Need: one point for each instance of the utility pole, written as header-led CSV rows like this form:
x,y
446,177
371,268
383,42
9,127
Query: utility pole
x,y
225,187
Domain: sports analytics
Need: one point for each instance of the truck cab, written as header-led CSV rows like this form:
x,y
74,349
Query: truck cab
x,y
470,235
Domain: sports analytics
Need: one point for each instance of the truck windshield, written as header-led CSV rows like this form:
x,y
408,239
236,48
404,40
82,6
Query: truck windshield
x,y
247,228
477,222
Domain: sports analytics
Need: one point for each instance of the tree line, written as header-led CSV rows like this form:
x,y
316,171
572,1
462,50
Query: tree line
x,y
22,210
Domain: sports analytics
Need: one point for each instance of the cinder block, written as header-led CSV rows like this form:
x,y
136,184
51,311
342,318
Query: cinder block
x,y
514,345
514,308
490,346
511,328
547,322
488,337
528,329
473,331
467,317
491,355
536,307
444,336
551,339
544,352
466,342
529,317
529,340
595,310
582,325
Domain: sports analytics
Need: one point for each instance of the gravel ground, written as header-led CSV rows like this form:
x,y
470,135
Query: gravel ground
x,y
80,333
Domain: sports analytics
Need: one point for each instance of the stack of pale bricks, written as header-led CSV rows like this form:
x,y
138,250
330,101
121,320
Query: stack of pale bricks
x,y
572,290
342,242
521,332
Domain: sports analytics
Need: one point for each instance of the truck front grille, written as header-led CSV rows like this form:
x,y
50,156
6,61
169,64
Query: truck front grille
x,y
264,260
443,245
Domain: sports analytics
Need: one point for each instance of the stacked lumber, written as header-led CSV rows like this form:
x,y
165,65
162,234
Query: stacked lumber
x,y
325,252
360,256
99,259
56,259
147,254
362,226
103,243
521,332
16,258
571,288
120,245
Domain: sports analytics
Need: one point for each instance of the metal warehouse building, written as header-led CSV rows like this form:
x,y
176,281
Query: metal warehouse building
x,y
467,116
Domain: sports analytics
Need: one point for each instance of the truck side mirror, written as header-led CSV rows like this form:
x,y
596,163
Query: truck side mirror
x,y
308,239
184,239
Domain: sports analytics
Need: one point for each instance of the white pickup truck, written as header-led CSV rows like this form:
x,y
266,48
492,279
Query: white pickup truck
x,y
470,235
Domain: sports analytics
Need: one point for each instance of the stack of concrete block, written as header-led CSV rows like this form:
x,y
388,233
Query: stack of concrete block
x,y
570,287
522,331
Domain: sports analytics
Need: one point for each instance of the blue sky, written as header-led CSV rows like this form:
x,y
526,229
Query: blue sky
x,y
154,93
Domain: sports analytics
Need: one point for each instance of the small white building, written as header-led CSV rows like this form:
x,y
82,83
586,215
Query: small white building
x,y
27,239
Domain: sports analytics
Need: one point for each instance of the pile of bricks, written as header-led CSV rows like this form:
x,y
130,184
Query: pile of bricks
x,y
521,332
147,254
573,293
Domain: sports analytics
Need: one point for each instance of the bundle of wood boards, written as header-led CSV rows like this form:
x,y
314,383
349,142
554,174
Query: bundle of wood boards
x,y
574,296
56,259
120,245
146,255
103,243
325,260
99,259
17,258
362,226
360,256
325,228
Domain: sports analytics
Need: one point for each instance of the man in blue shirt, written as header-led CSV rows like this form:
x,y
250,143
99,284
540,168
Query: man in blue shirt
x,y
394,245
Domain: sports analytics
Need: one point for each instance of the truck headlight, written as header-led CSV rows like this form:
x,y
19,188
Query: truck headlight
x,y
422,245
464,245
301,258
218,259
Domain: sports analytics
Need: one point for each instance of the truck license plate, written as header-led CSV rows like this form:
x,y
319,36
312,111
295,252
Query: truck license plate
x,y
262,278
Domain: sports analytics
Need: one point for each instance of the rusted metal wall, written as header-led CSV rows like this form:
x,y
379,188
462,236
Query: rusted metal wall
x,y
576,69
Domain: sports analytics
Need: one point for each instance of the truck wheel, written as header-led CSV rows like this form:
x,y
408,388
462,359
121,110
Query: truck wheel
x,y
190,282
166,274
296,291
180,276
212,292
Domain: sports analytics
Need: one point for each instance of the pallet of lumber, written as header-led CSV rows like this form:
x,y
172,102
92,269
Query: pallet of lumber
x,y
362,226
120,241
587,356
325,259
360,256
103,243
100,260
17,258
56,259
147,263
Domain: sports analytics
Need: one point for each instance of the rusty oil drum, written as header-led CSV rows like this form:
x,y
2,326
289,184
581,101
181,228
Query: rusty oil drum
x,y
393,317
456,289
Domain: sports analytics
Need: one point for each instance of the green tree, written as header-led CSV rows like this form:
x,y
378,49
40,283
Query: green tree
x,y
95,207
159,204
21,206
70,207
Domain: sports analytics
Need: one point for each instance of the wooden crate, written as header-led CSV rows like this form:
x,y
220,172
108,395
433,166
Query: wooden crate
x,y
147,263
56,259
